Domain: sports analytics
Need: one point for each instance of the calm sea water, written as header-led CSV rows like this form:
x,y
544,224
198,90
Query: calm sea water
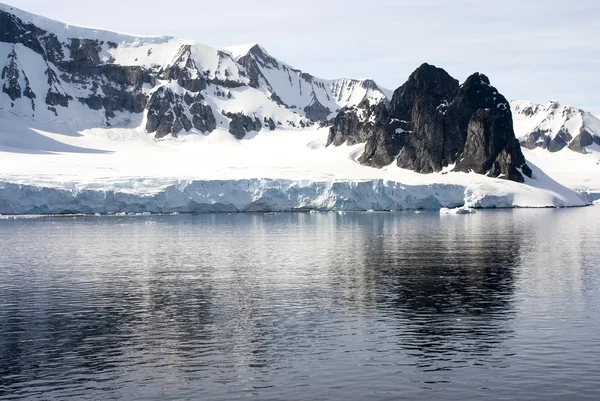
x,y
500,305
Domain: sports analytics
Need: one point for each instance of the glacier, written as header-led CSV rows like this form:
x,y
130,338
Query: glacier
x,y
251,195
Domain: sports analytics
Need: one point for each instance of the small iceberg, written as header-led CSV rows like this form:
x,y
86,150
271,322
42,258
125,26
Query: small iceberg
x,y
458,210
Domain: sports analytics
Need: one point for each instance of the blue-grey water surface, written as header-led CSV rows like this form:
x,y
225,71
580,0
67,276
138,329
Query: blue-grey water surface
x,y
499,305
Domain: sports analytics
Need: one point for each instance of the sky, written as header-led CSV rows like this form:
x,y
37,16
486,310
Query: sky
x,y
538,50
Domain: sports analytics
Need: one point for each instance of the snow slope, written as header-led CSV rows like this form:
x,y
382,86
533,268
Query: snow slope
x,y
551,134
51,168
301,91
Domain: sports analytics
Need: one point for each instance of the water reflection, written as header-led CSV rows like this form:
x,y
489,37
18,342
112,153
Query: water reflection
x,y
294,306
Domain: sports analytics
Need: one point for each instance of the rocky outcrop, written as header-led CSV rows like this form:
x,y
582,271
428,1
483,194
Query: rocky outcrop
x,y
315,111
168,113
433,123
10,76
357,124
203,118
241,124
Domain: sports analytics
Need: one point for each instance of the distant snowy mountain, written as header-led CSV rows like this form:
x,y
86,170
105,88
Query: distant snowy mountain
x,y
554,126
52,71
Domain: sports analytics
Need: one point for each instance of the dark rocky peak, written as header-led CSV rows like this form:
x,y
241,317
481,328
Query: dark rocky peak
x,y
253,60
427,81
477,93
369,84
184,71
432,123
259,54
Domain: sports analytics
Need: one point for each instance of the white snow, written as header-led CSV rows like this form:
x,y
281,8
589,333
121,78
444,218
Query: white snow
x,y
51,168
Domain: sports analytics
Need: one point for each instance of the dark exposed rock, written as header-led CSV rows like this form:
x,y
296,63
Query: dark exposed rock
x,y
491,146
561,140
10,75
582,140
123,100
269,121
382,148
160,116
315,111
57,98
84,53
167,114
94,102
203,118
226,83
13,30
251,61
185,72
432,122
426,80
357,124
536,139
241,124
28,92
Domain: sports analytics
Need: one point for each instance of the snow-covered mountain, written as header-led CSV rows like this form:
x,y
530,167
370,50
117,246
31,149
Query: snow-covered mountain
x,y
318,99
94,121
56,72
553,126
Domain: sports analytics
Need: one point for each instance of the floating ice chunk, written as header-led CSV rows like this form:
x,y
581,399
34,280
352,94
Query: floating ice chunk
x,y
458,210
370,211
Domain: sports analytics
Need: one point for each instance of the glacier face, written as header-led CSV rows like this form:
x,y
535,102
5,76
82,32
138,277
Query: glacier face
x,y
255,195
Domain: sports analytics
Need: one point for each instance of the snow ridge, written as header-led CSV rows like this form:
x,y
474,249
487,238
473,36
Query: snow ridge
x,y
553,126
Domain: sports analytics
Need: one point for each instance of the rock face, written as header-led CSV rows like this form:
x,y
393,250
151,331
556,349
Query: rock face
x,y
241,124
553,126
432,122
168,113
